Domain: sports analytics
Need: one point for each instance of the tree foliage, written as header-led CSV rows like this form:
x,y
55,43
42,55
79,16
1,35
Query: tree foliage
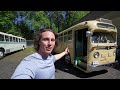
x,y
25,23
7,21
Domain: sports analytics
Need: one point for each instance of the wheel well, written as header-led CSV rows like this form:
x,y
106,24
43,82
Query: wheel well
x,y
2,49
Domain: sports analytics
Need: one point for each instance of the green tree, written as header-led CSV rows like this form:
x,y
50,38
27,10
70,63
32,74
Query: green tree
x,y
73,17
65,19
32,21
7,19
56,17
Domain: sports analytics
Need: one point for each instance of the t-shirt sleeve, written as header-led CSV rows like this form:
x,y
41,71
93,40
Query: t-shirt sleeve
x,y
54,59
25,70
22,76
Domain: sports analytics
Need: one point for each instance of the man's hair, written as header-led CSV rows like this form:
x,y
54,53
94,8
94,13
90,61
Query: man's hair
x,y
37,38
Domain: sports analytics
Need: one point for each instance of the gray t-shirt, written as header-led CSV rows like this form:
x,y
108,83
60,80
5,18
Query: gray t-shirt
x,y
35,67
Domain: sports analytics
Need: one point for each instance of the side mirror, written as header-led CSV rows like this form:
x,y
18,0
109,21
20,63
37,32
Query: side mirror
x,y
89,33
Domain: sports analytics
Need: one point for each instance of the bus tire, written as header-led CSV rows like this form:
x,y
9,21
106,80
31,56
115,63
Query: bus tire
x,y
23,48
1,53
67,59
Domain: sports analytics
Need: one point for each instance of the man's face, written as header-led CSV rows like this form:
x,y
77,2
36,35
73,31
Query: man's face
x,y
47,42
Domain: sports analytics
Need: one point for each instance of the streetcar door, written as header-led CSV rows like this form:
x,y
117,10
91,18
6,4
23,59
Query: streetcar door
x,y
81,48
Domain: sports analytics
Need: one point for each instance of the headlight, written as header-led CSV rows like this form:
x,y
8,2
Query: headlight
x,y
114,53
96,54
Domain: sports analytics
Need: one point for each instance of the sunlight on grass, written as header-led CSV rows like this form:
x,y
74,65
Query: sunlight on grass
x,y
30,50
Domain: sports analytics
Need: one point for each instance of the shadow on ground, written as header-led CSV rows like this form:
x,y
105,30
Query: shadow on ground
x,y
8,54
63,66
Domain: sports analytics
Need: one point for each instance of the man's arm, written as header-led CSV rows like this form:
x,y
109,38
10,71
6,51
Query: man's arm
x,y
60,55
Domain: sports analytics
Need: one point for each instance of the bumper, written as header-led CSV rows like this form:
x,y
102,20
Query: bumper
x,y
91,68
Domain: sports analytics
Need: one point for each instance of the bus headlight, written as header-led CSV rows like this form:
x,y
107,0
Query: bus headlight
x,y
114,53
96,54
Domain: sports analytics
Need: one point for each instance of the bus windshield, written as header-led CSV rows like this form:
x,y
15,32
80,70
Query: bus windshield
x,y
102,37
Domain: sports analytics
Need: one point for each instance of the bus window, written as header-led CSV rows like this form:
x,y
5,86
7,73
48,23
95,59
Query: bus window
x,y
70,35
19,40
14,39
7,38
102,37
70,32
1,37
10,39
65,37
23,40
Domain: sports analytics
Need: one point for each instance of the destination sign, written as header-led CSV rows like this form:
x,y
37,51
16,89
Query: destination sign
x,y
102,25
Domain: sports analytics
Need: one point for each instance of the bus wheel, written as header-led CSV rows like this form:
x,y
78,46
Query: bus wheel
x,y
67,59
23,48
1,54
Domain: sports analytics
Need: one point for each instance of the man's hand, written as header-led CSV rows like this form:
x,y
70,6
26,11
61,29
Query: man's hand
x,y
66,50
58,56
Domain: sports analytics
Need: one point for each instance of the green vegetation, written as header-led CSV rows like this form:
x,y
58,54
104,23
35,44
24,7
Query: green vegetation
x,y
25,23
30,49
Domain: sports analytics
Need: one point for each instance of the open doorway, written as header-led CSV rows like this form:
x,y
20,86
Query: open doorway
x,y
80,44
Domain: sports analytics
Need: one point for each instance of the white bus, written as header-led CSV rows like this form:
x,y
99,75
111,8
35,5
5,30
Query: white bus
x,y
10,43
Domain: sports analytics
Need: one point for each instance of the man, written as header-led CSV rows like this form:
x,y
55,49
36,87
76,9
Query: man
x,y
40,65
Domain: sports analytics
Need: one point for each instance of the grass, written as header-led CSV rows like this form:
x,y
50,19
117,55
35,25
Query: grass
x,y
30,49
